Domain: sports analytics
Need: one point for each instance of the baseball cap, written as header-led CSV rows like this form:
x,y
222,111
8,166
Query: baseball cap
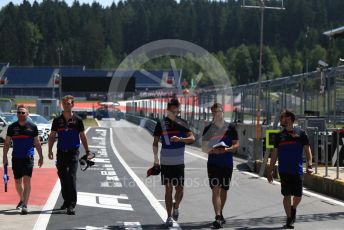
x,y
155,170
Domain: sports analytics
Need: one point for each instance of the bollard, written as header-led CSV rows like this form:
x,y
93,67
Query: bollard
x,y
316,144
326,153
338,153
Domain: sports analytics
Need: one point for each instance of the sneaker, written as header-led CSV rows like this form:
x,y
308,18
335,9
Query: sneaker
x,y
175,213
169,222
289,224
19,205
70,210
217,223
293,214
23,210
223,220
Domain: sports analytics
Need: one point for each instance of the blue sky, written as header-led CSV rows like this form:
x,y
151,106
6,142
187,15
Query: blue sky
x,y
69,2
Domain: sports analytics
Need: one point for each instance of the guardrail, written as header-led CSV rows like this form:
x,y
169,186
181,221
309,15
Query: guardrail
x,y
328,152
146,123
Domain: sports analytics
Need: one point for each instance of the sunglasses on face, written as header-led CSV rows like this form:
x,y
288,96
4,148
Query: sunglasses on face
x,y
175,112
21,113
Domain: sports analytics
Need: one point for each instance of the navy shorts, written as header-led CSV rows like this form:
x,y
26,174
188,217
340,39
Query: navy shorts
x,y
22,167
291,184
219,176
172,174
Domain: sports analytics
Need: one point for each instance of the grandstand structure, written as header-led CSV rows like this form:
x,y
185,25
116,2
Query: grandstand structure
x,y
44,82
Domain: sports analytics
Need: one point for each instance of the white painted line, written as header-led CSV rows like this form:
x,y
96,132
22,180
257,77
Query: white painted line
x,y
98,122
97,138
101,130
108,184
132,226
112,178
103,201
96,147
108,173
305,191
149,195
101,160
88,129
196,155
44,216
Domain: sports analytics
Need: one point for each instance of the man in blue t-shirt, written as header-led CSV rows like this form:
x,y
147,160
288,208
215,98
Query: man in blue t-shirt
x,y
24,136
220,158
70,130
289,146
173,132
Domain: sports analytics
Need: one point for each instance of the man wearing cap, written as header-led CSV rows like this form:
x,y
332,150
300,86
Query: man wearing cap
x,y
220,159
289,146
173,132
24,136
70,130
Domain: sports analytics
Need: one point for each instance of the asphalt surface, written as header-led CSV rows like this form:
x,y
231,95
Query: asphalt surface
x,y
110,198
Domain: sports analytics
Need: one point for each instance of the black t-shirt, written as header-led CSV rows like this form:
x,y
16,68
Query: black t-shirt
x,y
68,132
290,149
23,139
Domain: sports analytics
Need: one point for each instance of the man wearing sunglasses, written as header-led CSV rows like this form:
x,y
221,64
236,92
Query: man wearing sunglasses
x,y
24,136
70,130
220,141
174,133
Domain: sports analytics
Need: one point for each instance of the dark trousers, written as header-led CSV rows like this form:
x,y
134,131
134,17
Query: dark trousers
x,y
67,165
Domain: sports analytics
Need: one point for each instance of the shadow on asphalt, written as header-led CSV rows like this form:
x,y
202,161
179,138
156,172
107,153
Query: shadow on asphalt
x,y
17,212
242,224
243,167
258,223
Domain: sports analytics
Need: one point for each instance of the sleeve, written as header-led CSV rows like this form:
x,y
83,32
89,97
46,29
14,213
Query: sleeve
x,y
10,131
304,138
81,126
206,133
35,131
233,133
54,125
277,140
157,130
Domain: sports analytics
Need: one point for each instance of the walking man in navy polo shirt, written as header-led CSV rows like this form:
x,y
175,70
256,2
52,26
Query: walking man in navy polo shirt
x,y
173,132
70,130
220,159
24,136
289,146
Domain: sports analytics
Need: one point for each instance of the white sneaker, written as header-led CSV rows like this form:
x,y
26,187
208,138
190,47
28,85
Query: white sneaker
x,y
169,222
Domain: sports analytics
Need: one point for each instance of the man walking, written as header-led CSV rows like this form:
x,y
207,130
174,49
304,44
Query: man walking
x,y
70,130
173,132
220,141
288,148
24,136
